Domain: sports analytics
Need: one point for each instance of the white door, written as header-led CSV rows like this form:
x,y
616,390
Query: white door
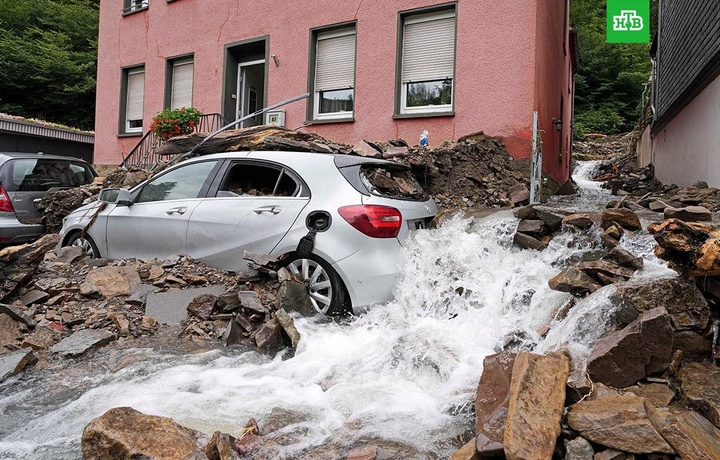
x,y
250,90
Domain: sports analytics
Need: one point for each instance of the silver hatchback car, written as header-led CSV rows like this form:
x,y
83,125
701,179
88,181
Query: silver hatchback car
x,y
27,177
338,220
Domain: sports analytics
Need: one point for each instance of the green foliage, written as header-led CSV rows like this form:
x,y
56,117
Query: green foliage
x,y
48,52
175,122
610,77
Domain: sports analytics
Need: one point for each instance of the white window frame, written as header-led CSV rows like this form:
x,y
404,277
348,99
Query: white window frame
x,y
173,81
329,35
135,5
128,107
416,18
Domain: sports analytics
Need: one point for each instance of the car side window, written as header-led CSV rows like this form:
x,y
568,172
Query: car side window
x,y
180,183
256,180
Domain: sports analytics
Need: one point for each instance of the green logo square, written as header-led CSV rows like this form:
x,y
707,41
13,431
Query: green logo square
x,y
628,21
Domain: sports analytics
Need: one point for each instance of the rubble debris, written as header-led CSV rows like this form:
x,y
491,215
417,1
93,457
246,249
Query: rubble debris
x,y
14,362
82,341
18,263
691,248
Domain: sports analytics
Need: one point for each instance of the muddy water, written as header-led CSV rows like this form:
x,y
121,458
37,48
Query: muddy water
x,y
402,376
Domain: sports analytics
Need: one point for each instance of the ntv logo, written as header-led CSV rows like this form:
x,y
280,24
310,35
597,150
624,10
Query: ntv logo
x,y
627,20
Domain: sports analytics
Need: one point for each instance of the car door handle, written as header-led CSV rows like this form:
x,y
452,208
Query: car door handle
x,y
273,209
179,210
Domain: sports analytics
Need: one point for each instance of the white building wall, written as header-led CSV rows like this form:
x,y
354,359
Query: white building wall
x,y
688,149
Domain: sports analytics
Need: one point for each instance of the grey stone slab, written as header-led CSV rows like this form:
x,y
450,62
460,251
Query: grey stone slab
x,y
170,307
18,315
15,361
140,294
82,341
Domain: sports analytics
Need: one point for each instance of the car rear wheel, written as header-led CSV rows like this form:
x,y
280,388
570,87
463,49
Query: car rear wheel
x,y
85,243
324,286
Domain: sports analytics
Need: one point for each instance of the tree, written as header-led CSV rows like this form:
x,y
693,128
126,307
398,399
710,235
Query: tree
x,y
610,77
48,55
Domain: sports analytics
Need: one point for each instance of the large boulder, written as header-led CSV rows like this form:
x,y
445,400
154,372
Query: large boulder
x,y
643,348
535,407
700,389
491,403
124,433
621,216
691,435
574,281
617,421
686,305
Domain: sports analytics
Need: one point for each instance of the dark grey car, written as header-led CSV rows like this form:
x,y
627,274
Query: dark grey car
x,y
27,177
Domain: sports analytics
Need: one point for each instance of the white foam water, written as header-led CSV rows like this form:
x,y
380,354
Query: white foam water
x,y
402,375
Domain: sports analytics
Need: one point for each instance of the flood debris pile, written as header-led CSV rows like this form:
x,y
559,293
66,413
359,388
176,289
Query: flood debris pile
x,y
54,306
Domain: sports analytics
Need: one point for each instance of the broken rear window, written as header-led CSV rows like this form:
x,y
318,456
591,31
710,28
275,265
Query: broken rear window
x,y
392,182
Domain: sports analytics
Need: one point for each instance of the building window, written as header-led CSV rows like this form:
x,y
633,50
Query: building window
x,y
134,90
427,65
334,82
181,83
130,6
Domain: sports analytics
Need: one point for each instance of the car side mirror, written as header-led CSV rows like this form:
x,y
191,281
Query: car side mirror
x,y
119,196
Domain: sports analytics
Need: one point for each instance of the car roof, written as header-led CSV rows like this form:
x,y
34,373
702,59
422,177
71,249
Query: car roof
x,y
340,160
34,155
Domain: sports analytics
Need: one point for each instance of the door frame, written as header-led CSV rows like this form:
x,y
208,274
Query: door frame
x,y
241,87
248,50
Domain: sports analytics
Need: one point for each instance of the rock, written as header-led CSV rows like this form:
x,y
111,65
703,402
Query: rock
x,y
528,242
293,296
122,324
624,258
574,281
656,393
683,301
139,295
18,315
691,248
466,452
518,194
288,326
694,346
567,188
608,239
613,270
202,306
235,334
534,228
269,336
364,149
491,403
535,408
691,435
623,217
221,447
82,341
251,301
123,432
41,339
657,206
34,296
228,301
18,263
612,454
620,422
551,217
170,307
700,389
582,221
688,214
69,254
526,212
578,449
13,362
110,281
641,349
363,453
9,332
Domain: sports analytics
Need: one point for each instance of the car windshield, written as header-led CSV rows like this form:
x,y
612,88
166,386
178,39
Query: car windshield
x,y
40,175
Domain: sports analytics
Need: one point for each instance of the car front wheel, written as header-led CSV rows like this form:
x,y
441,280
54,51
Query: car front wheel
x,y
324,286
85,243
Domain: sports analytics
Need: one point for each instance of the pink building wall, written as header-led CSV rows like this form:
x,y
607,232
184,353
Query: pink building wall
x,y
502,72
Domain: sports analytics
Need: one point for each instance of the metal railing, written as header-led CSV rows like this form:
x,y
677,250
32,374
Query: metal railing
x,y
144,155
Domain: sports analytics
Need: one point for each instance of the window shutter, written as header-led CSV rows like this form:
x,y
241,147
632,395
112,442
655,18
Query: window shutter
x,y
335,60
182,85
428,51
135,89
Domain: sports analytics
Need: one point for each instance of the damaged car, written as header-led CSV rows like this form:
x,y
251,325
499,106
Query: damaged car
x,y
337,222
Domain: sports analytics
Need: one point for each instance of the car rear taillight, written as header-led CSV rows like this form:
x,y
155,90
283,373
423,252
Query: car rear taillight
x,y
5,203
373,220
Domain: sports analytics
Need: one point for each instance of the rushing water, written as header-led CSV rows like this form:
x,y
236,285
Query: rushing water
x,y
402,376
